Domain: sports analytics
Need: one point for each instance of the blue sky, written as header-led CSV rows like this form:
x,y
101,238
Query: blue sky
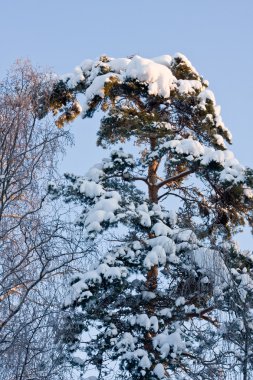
x,y
216,35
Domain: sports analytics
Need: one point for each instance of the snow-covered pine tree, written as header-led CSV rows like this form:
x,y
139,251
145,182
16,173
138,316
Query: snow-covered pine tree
x,y
171,296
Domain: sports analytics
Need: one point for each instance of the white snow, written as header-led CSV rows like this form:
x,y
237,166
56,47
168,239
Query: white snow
x,y
148,295
143,212
95,173
97,87
144,321
172,218
136,245
219,140
159,371
185,235
188,86
186,62
90,189
141,320
119,64
163,60
91,276
180,301
245,284
159,78
160,228
165,242
115,273
126,343
80,289
186,146
166,312
169,344
206,95
103,210
154,325
111,273
86,65
232,171
248,193
111,331
156,256
145,362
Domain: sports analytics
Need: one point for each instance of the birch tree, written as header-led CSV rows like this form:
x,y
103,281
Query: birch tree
x,y
37,246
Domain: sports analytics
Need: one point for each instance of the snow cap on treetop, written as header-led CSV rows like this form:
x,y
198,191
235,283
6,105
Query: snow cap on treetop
x,y
169,79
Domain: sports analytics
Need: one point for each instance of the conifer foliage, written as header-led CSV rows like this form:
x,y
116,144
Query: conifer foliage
x,y
171,295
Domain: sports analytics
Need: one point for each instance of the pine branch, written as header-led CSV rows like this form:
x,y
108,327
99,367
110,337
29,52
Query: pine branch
x,y
174,178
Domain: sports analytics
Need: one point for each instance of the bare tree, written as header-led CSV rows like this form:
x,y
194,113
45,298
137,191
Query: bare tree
x,y
37,246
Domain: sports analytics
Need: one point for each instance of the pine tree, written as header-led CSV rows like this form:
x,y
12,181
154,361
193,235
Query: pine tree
x,y
171,294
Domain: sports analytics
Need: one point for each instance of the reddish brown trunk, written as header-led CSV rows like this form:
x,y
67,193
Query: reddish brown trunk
x,y
152,275
152,179
151,282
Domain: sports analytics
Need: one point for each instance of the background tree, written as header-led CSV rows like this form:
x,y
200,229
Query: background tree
x,y
36,241
164,297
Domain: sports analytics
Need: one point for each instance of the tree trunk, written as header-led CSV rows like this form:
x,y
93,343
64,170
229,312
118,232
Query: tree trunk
x,y
151,282
152,179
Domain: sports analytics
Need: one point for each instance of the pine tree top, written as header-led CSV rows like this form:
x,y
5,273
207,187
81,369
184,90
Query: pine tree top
x,y
147,89
163,99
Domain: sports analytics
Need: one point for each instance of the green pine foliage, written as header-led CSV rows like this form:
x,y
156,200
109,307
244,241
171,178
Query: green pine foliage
x,y
171,294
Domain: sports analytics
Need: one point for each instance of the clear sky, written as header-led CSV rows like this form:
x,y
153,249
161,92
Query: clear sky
x,y
216,35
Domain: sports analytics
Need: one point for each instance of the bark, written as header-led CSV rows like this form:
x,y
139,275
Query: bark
x,y
151,282
152,275
152,178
